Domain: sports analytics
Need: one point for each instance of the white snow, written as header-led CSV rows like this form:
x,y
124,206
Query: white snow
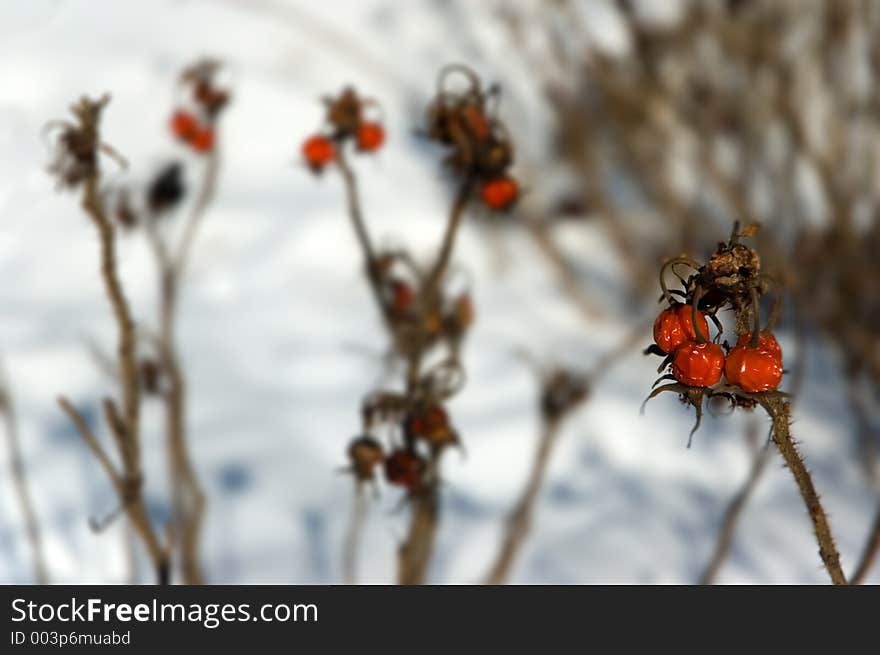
x,y
281,340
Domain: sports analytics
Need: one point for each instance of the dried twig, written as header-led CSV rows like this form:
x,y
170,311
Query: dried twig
x,y
77,164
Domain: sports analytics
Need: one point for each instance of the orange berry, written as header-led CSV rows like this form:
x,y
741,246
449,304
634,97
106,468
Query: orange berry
x,y
203,140
318,151
765,342
698,364
754,369
184,125
675,325
370,137
500,193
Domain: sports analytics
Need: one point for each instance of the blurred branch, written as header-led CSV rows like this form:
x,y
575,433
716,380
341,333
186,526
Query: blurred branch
x,y
352,541
733,512
19,481
869,554
77,165
519,522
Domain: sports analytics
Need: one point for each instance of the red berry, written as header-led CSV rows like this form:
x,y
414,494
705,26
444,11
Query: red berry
x,y
500,193
675,325
755,369
318,151
184,125
404,468
698,364
370,137
203,140
765,342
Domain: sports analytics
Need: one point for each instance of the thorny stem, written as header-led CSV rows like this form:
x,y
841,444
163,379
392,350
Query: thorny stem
x,y
869,554
778,410
19,481
519,522
352,542
732,514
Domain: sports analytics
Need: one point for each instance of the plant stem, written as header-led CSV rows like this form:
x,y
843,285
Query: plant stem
x,y
779,409
19,481
869,554
732,515
352,542
519,522
125,427
415,552
455,218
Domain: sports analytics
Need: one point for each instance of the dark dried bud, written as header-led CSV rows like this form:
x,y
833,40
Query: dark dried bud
x,y
151,376
562,392
166,190
365,454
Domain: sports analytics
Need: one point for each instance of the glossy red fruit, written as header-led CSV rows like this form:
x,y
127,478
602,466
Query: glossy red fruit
x,y
184,125
698,364
500,193
318,151
754,369
370,137
404,468
675,325
203,140
765,342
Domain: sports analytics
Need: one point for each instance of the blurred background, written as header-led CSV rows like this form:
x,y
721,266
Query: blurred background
x,y
644,129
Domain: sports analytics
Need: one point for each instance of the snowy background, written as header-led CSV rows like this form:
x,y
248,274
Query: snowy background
x,y
281,340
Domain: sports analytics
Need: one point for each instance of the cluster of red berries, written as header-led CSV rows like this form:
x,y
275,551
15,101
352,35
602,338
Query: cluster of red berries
x,y
187,128
346,120
404,466
751,368
196,127
480,146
